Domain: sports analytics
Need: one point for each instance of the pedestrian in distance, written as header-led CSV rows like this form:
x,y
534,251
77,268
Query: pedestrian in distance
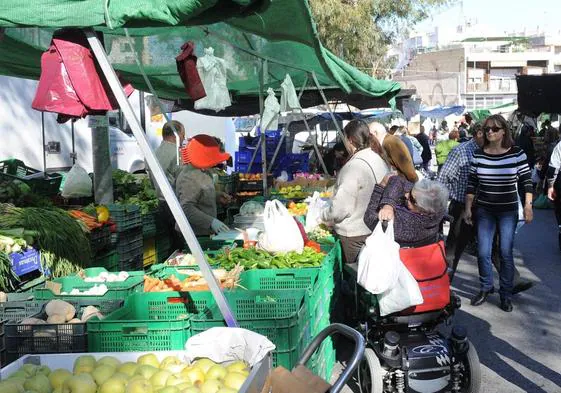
x,y
424,141
497,170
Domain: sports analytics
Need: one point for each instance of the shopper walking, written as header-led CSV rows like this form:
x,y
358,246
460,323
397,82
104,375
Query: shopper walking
x,y
424,141
355,183
443,148
496,172
395,151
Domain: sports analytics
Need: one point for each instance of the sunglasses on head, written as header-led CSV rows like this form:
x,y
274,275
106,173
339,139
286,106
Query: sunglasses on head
x,y
492,129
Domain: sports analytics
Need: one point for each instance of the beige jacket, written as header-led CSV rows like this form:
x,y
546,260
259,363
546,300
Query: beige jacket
x,y
197,196
353,190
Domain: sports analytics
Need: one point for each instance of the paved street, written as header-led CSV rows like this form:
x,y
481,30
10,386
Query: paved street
x,y
519,351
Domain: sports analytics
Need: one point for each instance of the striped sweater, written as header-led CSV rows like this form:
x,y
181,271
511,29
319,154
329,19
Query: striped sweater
x,y
496,178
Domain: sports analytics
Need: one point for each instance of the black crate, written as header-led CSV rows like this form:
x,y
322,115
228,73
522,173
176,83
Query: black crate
x,y
149,226
52,338
100,239
130,244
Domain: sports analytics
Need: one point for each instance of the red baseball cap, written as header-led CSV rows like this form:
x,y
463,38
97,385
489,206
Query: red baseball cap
x,y
203,152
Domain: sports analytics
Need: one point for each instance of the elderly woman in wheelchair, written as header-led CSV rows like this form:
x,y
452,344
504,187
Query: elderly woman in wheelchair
x,y
407,351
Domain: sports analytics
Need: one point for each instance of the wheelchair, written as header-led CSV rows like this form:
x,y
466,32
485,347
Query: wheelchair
x,y
408,351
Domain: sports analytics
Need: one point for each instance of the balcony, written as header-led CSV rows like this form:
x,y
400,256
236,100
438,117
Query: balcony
x,y
493,86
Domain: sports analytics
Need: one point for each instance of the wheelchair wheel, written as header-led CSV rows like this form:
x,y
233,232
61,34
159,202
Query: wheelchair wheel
x,y
371,373
472,379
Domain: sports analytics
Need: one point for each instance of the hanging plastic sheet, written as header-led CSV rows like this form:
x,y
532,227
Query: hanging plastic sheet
x,y
289,98
212,71
70,84
186,63
270,119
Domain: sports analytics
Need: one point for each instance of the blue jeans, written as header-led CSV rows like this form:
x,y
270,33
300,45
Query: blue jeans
x,y
487,223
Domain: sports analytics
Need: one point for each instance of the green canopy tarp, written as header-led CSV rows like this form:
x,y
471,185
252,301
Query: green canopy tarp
x,y
480,114
240,31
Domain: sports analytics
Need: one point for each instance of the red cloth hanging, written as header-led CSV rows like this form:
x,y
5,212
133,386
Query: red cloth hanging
x,y
186,63
70,82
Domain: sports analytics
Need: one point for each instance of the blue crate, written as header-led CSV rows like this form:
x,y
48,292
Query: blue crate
x,y
242,168
26,262
244,156
292,163
243,143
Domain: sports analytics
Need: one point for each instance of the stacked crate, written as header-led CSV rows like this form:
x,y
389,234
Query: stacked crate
x,y
246,150
128,238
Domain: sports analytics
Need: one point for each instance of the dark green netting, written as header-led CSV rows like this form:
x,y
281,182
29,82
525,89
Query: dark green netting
x,y
281,32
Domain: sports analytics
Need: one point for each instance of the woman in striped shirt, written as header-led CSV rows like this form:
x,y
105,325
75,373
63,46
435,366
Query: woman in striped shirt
x,y
497,171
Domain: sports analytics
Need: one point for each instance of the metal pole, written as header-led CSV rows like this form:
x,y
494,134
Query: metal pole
x,y
142,110
339,131
160,177
262,73
43,138
73,155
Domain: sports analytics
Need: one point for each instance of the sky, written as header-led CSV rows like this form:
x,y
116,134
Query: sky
x,y
503,15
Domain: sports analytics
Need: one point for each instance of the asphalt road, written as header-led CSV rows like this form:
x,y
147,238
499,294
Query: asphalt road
x,y
518,351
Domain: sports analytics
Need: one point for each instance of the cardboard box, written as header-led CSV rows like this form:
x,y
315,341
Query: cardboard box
x,y
300,380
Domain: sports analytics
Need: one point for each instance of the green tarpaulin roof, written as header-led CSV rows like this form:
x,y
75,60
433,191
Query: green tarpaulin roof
x,y
240,31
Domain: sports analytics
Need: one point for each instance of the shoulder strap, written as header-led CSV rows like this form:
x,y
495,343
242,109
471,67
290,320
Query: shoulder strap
x,y
369,166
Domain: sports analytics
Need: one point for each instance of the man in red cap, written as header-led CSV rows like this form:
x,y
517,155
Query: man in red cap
x,y
195,187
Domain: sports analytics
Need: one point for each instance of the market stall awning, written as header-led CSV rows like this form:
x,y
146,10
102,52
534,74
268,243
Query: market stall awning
x,y
440,112
242,32
480,114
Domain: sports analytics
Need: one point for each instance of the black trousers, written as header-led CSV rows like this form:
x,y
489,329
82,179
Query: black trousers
x,y
461,234
351,247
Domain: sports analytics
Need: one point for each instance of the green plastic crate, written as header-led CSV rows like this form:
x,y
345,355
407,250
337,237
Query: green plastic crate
x,y
39,182
149,224
108,260
116,290
125,217
281,316
158,321
323,361
163,248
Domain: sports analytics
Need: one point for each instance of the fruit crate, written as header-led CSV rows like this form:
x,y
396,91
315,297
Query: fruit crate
x,y
149,252
282,316
39,182
115,290
156,321
125,217
149,227
52,337
130,244
100,239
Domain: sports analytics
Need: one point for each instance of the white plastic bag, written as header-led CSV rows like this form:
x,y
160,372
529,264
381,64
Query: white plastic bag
x,y
289,98
404,294
378,262
212,71
281,231
78,183
270,119
315,207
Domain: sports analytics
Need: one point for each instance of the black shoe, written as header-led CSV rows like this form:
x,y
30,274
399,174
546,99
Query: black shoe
x,y
480,298
522,286
506,305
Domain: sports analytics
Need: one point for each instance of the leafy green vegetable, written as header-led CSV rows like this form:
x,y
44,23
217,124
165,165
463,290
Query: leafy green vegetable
x,y
253,258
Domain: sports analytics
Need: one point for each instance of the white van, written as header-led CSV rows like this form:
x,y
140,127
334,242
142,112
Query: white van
x,y
21,132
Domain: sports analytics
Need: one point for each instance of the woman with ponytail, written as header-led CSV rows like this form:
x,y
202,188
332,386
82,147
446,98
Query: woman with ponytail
x,y
355,183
